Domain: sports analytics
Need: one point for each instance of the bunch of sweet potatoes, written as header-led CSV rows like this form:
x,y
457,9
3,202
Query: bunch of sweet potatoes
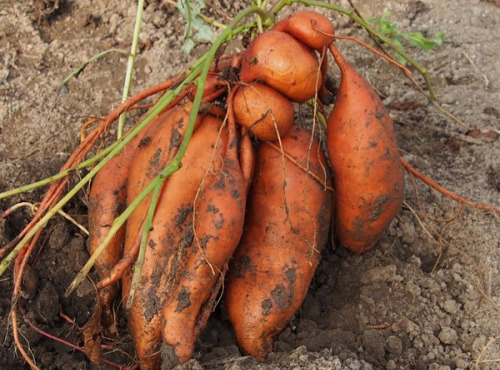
x,y
254,197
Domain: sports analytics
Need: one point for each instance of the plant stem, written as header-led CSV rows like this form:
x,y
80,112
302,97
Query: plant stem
x,y
211,21
130,63
148,225
163,102
259,19
60,175
96,57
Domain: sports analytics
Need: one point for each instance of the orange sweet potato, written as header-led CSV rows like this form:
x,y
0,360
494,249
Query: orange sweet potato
x,y
311,28
283,63
263,111
107,199
196,227
285,228
367,173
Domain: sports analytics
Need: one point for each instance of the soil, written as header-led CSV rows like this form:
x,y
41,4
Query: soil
x,y
426,297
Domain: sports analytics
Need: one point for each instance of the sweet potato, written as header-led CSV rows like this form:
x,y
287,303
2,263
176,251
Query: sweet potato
x,y
285,228
283,63
263,111
367,173
196,227
247,159
311,28
107,199
152,155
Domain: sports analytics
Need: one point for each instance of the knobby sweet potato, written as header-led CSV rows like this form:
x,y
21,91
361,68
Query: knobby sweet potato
x,y
309,27
262,110
283,63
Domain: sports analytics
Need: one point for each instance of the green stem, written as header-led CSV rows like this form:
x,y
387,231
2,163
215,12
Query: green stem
x,y
211,21
131,63
167,98
96,57
423,71
89,162
259,19
148,226
175,163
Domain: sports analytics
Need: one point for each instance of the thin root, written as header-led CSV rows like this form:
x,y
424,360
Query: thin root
x,y
294,161
480,360
445,191
15,332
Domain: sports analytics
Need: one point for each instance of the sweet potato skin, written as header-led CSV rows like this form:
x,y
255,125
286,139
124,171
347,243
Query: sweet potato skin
x,y
153,154
218,224
283,63
364,157
309,27
196,227
107,199
278,253
263,111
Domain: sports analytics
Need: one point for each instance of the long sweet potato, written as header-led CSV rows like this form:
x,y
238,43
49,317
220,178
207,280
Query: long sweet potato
x,y
107,199
367,173
196,227
285,228
152,155
218,224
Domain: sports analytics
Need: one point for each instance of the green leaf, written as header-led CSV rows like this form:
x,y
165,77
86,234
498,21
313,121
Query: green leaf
x,y
384,25
197,30
203,31
438,38
398,43
188,46
398,56
420,41
389,29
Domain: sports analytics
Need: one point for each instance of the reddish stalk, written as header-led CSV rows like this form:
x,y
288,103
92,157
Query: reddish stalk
x,y
62,341
85,126
123,264
445,191
373,50
15,332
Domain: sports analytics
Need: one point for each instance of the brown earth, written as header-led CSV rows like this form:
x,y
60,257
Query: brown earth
x,y
413,302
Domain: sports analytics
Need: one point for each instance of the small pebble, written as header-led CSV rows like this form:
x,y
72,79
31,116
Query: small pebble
x,y
448,336
450,306
413,289
379,274
391,365
394,345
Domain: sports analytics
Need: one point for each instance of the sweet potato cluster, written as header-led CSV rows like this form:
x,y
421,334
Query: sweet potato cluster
x,y
251,206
